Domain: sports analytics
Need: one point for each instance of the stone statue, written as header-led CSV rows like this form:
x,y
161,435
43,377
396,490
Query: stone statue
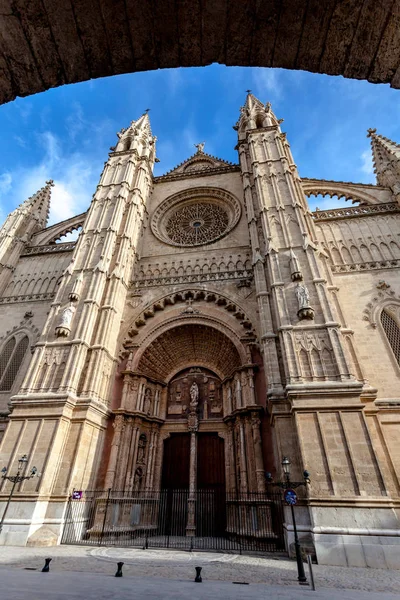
x,y
141,449
66,316
194,394
147,401
200,147
303,297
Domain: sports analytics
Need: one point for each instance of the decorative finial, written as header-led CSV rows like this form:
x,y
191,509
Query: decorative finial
x,y
248,91
200,147
50,182
147,110
371,131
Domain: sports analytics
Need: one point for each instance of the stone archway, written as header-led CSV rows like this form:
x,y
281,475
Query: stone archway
x,y
44,46
156,403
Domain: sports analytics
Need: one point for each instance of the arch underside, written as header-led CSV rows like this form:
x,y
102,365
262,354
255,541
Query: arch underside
x,y
47,47
191,344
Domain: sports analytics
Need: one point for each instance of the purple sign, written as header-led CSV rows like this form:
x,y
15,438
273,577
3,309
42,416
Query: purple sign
x,y
77,494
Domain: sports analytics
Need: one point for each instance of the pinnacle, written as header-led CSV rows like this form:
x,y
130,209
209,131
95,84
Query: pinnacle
x,y
386,158
39,203
256,114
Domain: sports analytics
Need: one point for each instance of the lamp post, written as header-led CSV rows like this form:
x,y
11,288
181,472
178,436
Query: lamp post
x,y
17,478
291,499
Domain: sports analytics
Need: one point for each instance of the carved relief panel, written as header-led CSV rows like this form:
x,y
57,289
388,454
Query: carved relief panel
x,y
182,396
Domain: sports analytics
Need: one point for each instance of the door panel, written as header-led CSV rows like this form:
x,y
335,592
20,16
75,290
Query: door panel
x,y
176,462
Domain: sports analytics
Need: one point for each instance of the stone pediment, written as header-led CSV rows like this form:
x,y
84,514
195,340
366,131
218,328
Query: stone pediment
x,y
199,162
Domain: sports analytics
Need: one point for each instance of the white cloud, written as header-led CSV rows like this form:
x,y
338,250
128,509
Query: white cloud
x,y
5,183
366,163
267,84
73,174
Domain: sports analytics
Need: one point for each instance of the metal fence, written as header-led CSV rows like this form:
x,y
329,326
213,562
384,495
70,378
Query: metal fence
x,y
203,520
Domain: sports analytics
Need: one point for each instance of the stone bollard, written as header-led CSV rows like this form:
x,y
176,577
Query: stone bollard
x,y
46,567
119,570
198,578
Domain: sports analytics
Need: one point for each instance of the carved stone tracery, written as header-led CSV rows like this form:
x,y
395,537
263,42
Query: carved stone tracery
x,y
197,224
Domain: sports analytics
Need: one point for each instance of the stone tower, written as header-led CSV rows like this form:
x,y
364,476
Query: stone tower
x,y
73,361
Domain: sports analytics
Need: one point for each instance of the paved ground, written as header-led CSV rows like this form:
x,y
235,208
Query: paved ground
x,y
88,572
87,586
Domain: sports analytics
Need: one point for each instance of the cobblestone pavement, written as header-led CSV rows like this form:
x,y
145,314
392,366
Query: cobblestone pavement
x,y
179,566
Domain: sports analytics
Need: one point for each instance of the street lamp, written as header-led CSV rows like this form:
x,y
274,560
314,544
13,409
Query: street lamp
x,y
17,478
291,499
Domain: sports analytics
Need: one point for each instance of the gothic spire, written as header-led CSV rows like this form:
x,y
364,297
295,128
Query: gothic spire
x,y
386,161
136,136
32,214
255,115
39,204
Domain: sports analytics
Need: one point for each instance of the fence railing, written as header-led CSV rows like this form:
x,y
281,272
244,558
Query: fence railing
x,y
205,519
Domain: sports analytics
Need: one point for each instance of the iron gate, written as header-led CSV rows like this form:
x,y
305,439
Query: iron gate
x,y
159,519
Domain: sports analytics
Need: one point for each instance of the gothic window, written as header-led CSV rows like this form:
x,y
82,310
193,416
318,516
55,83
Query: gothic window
x,y
196,224
11,359
392,331
195,217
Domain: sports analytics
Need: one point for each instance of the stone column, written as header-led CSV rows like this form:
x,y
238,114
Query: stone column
x,y
242,458
112,463
260,476
123,455
150,460
230,459
191,518
131,465
163,435
193,426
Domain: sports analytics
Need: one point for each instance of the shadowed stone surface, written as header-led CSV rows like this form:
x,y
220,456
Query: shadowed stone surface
x,y
45,43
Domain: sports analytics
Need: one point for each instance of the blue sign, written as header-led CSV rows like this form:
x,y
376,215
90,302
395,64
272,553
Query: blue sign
x,y
290,497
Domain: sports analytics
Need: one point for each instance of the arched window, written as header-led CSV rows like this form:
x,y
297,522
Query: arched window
x,y
392,330
11,359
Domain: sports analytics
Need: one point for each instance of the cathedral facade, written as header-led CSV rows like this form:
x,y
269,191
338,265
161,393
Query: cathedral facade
x,y
204,325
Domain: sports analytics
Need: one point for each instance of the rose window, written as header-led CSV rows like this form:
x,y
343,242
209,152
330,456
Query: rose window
x,y
196,224
194,217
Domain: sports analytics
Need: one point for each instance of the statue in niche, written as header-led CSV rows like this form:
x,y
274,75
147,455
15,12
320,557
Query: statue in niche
x,y
147,401
64,327
303,296
137,481
194,395
141,448
66,316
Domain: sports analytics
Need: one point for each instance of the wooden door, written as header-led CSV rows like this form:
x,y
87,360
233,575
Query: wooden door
x,y
211,502
176,462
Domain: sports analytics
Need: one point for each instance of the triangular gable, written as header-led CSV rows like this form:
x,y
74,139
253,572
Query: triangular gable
x,y
200,161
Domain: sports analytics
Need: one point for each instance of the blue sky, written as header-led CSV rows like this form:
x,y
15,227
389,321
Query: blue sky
x,y
65,134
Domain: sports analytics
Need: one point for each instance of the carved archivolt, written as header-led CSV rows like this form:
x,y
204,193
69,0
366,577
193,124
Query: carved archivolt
x,y
381,300
26,326
188,345
195,217
192,296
